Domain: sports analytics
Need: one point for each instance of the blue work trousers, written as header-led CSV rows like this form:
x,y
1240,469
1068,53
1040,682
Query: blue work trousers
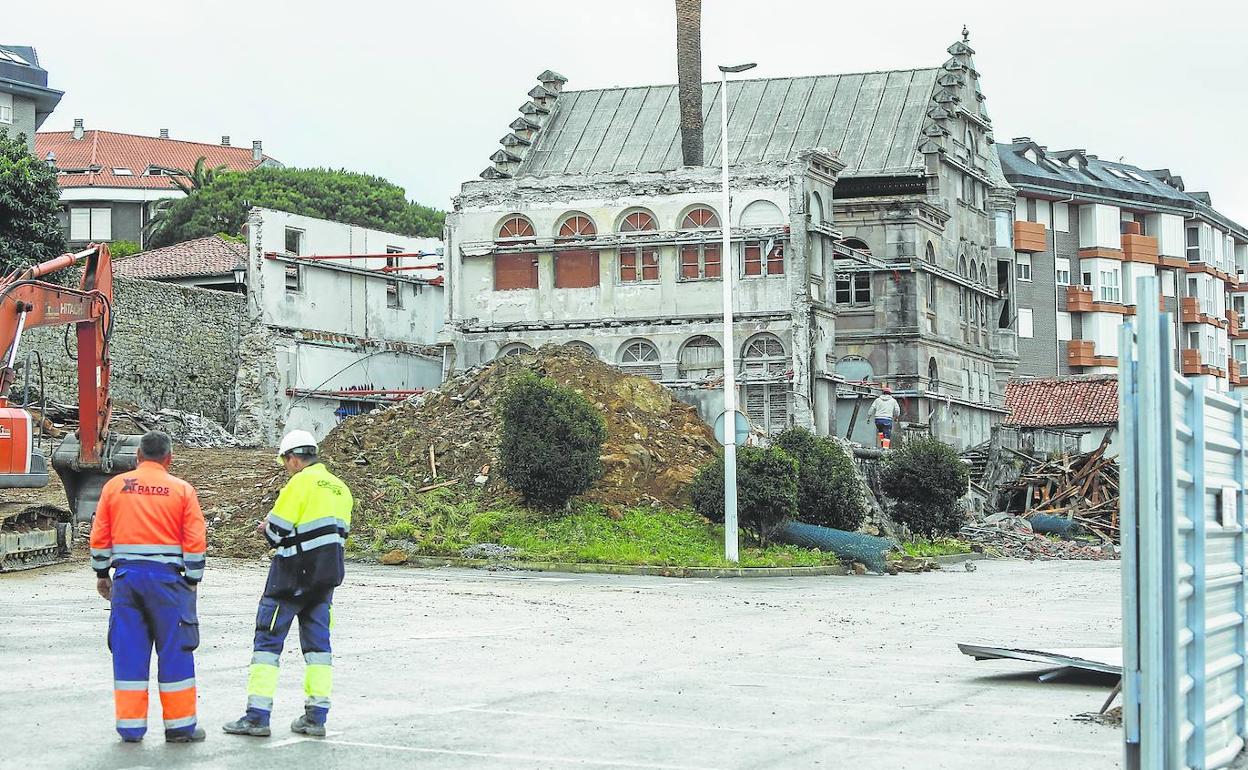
x,y
273,621
153,605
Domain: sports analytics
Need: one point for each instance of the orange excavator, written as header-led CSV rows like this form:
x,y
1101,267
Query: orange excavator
x,y
31,536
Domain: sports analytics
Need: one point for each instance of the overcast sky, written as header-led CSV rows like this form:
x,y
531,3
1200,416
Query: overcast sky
x,y
420,93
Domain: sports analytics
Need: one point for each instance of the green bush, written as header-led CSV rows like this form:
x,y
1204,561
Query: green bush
x,y
926,480
551,440
829,492
767,483
119,249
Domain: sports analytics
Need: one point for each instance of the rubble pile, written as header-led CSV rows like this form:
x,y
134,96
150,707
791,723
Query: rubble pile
x,y
448,440
185,428
1004,534
1083,489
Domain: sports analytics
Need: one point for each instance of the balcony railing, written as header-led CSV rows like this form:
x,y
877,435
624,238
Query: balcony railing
x,y
1029,237
1083,353
1190,312
1139,248
1193,365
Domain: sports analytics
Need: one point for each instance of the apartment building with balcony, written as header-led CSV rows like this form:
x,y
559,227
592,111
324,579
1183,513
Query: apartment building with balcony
x,y
1085,229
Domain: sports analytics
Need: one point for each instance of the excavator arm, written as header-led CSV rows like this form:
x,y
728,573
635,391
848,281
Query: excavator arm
x,y
90,457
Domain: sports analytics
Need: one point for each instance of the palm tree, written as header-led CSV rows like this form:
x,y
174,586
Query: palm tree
x,y
198,177
689,77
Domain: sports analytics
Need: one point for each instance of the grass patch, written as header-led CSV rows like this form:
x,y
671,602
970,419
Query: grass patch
x,y
439,523
940,546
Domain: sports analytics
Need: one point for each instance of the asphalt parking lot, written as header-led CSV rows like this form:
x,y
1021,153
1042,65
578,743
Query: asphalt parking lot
x,y
452,668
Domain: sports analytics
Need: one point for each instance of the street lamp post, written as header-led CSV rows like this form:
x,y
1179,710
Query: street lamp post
x,y
727,265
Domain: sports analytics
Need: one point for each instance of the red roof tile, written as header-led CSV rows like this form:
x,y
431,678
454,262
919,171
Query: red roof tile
x,y
1063,401
109,150
212,255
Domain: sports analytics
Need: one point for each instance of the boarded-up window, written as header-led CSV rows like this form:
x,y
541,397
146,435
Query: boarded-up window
x,y
641,358
515,226
759,263
767,406
576,269
577,226
294,279
515,271
699,219
638,221
514,349
699,260
701,358
638,263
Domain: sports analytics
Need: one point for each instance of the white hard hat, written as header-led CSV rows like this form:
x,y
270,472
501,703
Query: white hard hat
x,y
296,439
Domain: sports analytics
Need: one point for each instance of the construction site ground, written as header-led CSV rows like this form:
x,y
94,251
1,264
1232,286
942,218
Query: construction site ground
x,y
452,668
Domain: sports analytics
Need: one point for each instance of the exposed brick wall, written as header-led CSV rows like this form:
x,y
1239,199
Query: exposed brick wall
x,y
172,346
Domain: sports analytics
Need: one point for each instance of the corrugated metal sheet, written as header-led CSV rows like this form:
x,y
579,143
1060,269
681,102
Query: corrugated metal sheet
x,y
1184,557
871,120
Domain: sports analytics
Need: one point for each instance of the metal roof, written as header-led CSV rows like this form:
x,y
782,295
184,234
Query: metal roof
x,y
872,121
1120,180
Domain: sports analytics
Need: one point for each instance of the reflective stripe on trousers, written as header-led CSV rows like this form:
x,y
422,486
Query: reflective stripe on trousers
x,y
273,621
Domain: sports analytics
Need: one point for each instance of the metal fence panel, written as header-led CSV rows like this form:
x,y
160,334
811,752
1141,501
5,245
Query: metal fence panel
x,y
1183,548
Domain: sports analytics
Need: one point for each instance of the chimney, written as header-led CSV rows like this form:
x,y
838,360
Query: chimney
x,y
164,133
225,140
1021,140
689,77
78,129
257,151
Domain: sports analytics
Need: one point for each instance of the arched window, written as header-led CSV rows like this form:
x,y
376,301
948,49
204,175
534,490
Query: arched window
x,y
974,274
763,355
856,245
700,218
930,253
638,263
515,270
641,358
515,227
962,265
701,358
767,397
584,347
983,274
577,226
576,268
513,349
816,209
700,260
638,222
761,213
933,376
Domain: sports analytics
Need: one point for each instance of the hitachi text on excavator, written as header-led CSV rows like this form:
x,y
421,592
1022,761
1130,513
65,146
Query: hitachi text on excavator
x,y
32,536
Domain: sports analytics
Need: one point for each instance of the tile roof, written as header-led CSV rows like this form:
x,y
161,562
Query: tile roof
x,y
873,120
212,255
1062,401
107,150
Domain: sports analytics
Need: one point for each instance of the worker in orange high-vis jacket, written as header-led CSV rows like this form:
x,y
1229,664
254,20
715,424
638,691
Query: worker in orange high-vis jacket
x,y
149,530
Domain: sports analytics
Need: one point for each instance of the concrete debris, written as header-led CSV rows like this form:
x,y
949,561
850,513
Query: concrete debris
x,y
1004,534
489,551
185,428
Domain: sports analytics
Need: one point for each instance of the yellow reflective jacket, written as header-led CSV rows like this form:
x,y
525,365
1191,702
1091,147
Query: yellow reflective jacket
x,y
308,526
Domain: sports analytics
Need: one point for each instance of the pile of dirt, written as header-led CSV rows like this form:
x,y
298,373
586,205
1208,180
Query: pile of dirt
x,y
655,443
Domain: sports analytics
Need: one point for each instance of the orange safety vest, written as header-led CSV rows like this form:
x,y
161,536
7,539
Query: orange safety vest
x,y
149,515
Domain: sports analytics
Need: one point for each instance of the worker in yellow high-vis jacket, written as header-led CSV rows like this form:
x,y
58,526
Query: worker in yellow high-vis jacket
x,y
308,526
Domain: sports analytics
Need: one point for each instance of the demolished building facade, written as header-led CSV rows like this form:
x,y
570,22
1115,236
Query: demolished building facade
x,y
864,208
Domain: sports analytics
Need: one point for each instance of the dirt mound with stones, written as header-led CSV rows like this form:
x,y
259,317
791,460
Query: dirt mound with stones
x,y
655,443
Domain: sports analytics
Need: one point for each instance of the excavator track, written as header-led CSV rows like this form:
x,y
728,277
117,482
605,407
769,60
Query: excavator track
x,y
33,535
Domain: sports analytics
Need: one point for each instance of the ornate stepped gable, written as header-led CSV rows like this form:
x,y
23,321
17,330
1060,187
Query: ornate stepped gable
x,y
872,120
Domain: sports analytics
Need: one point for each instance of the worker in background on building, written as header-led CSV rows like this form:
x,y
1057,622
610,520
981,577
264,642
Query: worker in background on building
x,y
308,526
886,412
150,531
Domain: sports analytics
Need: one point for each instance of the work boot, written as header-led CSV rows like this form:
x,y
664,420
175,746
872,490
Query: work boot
x,y
132,739
245,726
308,727
192,737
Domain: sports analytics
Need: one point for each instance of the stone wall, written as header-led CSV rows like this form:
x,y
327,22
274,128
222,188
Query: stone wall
x,y
172,347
